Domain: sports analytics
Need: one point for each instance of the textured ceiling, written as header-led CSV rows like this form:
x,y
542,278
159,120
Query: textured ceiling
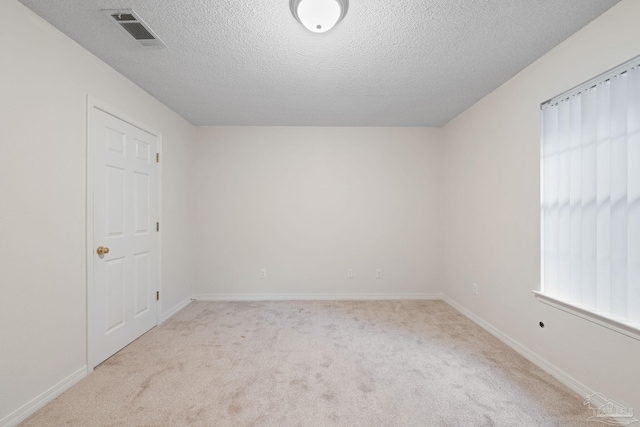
x,y
388,63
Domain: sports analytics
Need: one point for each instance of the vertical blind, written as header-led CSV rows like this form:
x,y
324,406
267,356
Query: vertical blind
x,y
591,195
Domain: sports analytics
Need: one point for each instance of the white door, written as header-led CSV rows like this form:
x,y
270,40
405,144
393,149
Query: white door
x,y
125,238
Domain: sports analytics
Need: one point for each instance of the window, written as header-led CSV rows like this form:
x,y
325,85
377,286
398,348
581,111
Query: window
x,y
591,197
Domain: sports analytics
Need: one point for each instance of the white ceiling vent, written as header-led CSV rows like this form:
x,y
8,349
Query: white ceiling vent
x,y
131,23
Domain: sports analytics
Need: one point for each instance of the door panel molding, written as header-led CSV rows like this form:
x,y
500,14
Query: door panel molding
x,y
94,105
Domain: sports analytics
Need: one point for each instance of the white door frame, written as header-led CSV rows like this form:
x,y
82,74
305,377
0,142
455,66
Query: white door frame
x,y
94,104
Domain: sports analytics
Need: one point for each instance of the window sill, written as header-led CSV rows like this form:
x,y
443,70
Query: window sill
x,y
629,329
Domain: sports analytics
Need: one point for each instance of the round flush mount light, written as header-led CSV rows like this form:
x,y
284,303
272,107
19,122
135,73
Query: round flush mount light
x,y
319,15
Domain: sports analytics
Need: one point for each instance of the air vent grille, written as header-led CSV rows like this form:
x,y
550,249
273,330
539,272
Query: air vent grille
x,y
123,17
131,23
138,31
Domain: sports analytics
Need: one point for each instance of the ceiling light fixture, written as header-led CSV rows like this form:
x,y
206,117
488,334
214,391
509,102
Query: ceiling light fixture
x,y
319,15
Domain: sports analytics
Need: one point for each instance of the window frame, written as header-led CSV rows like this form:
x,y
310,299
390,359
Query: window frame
x,y
604,319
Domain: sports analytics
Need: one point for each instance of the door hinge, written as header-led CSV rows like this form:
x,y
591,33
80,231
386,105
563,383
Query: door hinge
x,y
157,226
157,157
157,295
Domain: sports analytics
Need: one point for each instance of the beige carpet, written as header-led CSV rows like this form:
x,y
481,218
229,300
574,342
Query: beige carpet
x,y
381,363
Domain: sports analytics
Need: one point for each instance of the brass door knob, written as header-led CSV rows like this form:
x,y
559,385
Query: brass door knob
x,y
102,250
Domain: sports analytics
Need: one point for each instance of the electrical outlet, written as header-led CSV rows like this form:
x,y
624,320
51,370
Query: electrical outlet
x,y
349,273
263,273
475,289
379,273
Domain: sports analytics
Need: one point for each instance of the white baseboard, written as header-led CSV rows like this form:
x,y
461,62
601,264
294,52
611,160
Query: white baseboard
x,y
164,317
552,370
314,297
594,400
28,409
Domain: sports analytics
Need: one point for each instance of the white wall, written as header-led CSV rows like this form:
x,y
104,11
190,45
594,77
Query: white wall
x,y
44,81
308,203
491,201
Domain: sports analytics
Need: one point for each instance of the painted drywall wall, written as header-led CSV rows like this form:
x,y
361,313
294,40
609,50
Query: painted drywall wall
x,y
491,189
309,203
45,78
